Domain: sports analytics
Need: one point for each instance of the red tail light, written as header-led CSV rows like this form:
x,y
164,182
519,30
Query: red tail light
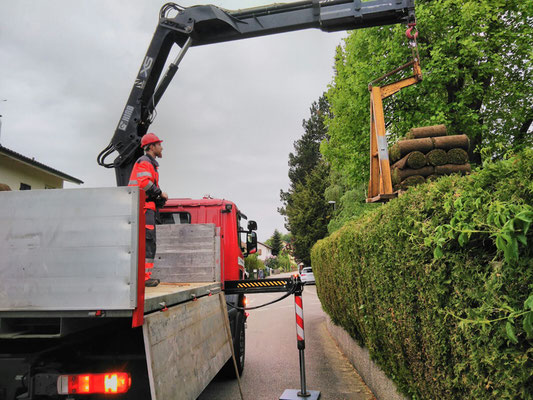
x,y
110,383
244,301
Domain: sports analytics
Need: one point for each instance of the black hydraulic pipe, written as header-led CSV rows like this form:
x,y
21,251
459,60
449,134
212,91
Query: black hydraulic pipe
x,y
172,69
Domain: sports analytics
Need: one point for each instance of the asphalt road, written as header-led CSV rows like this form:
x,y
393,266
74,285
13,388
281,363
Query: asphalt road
x,y
272,363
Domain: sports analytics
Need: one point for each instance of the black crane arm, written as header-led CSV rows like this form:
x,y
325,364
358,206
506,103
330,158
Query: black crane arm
x,y
207,24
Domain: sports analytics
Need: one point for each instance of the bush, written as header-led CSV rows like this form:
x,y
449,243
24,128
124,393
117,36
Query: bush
x,y
351,206
251,262
281,262
438,284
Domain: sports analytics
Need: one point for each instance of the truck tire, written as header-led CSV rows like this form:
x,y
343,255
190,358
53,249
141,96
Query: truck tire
x,y
239,347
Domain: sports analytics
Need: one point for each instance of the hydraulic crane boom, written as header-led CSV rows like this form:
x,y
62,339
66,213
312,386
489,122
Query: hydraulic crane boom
x,y
207,24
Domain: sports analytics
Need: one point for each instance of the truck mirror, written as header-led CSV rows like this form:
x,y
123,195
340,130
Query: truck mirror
x,y
251,243
252,226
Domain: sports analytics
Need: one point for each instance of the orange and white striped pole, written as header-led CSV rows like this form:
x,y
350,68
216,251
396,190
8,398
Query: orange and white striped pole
x,y
300,336
300,333
303,393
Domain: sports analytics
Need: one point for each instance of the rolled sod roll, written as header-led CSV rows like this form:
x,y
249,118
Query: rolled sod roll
x,y
457,156
432,177
451,142
394,153
437,157
452,169
399,175
400,164
404,147
415,159
412,181
426,131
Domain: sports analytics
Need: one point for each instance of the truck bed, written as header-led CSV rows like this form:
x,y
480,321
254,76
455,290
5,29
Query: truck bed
x,y
75,255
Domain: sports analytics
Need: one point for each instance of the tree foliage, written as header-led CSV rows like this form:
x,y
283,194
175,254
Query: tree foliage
x,y
276,243
307,149
307,213
253,262
304,205
476,57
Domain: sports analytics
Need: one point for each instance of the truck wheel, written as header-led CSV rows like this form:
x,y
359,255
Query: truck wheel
x,y
239,345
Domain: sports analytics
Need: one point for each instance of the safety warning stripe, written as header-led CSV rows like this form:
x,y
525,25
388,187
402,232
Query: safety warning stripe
x,y
261,284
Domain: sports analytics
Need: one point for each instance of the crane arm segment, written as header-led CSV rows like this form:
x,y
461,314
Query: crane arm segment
x,y
208,24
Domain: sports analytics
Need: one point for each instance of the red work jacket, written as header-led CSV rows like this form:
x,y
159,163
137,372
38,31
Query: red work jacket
x,y
145,175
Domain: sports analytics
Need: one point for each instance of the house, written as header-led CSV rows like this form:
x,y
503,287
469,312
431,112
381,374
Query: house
x,y
264,251
22,173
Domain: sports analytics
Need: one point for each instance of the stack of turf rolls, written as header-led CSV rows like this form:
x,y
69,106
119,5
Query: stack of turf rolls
x,y
426,153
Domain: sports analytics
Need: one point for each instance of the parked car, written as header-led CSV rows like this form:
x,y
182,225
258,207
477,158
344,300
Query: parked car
x,y
307,276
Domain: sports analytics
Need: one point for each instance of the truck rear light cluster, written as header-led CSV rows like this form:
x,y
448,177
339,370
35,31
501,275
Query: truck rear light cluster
x,y
109,383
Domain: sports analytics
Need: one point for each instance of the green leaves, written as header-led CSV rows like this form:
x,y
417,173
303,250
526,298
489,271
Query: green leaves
x,y
528,319
528,324
510,332
513,231
528,304
505,223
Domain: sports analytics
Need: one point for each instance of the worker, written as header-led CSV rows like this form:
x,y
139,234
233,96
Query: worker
x,y
145,175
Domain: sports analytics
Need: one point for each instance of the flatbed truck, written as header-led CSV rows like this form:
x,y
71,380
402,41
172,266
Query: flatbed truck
x,y
75,317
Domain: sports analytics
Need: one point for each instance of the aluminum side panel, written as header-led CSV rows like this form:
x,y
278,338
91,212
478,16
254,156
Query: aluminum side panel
x,y
185,347
68,249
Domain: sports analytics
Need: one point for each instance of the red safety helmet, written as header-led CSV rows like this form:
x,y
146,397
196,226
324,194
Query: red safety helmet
x,y
149,138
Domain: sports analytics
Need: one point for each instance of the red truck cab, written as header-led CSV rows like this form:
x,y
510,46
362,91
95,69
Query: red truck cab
x,y
235,241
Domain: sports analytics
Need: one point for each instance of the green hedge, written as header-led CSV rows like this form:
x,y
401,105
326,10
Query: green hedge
x,y
438,284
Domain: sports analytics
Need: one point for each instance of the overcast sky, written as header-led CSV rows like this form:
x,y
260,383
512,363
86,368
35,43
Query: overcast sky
x,y
228,120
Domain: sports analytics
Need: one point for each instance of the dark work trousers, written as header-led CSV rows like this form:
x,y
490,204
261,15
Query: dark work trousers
x,y
150,242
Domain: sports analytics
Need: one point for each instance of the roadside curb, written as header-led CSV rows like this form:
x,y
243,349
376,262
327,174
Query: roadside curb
x,y
382,387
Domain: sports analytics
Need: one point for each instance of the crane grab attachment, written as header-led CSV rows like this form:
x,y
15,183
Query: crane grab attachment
x,y
380,184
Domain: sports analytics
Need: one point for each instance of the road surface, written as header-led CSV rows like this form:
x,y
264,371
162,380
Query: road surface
x,y
272,364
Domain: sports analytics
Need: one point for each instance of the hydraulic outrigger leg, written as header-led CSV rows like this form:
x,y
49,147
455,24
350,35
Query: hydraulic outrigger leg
x,y
290,286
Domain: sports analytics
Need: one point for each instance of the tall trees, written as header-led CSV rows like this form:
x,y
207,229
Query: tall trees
x,y
304,206
307,212
276,243
477,62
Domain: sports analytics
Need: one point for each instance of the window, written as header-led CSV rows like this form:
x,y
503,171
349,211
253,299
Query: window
x,y
175,218
24,186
